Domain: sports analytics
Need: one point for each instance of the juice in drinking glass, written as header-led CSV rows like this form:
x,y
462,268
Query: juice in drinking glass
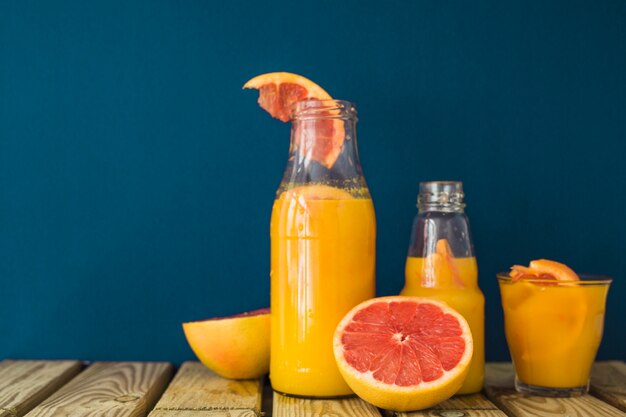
x,y
553,329
323,234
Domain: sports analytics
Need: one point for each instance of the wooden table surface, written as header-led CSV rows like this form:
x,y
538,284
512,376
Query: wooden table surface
x,y
156,389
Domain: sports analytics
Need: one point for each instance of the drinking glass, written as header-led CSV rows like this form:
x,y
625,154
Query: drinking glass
x,y
553,329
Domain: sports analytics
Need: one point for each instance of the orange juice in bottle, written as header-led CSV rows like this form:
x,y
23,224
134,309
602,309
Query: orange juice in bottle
x,y
323,233
441,265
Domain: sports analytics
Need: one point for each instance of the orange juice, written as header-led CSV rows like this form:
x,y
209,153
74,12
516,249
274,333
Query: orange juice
x,y
553,329
322,265
455,282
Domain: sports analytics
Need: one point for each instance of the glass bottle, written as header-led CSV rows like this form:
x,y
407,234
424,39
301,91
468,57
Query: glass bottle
x,y
441,264
323,233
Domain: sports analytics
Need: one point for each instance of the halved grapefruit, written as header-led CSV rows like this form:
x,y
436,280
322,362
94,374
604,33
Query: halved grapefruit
x,y
544,269
403,353
235,347
319,139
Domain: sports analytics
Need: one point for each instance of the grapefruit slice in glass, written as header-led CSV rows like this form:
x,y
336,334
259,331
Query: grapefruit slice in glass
x,y
235,347
543,269
403,353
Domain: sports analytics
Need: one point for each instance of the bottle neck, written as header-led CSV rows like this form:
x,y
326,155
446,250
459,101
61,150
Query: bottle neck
x,y
323,147
444,208
441,222
323,141
442,196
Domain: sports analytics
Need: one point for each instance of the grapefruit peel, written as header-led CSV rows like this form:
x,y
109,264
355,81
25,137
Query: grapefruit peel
x,y
278,91
403,353
318,139
235,347
543,269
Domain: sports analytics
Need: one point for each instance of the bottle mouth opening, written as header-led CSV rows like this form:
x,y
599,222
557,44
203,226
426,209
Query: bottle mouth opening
x,y
441,186
323,109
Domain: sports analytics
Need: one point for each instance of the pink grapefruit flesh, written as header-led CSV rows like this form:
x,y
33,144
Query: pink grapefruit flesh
x,y
403,353
319,139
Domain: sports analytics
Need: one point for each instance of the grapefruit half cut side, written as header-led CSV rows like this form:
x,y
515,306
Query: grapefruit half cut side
x,y
235,347
403,353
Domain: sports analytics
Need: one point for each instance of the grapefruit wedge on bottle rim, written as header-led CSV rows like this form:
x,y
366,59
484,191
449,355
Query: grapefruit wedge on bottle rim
x,y
278,91
319,139
403,353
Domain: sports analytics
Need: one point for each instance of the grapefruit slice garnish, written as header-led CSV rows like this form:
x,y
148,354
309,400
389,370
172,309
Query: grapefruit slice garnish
x,y
445,251
543,269
403,353
319,139
278,91
440,268
236,347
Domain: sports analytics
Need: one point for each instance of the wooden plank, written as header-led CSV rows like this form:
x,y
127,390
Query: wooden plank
x,y
299,407
608,382
196,392
111,389
24,384
500,389
475,405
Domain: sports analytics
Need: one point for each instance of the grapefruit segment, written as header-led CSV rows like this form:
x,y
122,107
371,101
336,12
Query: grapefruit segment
x,y
441,267
278,91
235,347
403,353
444,250
543,269
320,138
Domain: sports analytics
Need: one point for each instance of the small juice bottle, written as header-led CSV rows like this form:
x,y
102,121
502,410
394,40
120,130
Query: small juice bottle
x,y
441,265
323,237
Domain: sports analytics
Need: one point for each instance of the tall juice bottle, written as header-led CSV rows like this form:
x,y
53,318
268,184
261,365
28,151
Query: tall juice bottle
x,y
441,265
323,233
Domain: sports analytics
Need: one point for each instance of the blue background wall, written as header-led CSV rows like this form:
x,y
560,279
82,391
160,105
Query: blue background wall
x,y
136,177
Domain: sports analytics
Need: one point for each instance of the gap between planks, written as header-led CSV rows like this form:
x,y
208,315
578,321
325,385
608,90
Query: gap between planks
x,y
197,392
131,389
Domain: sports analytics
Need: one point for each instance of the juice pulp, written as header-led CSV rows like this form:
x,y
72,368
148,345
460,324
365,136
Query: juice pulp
x,y
323,264
461,292
553,332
